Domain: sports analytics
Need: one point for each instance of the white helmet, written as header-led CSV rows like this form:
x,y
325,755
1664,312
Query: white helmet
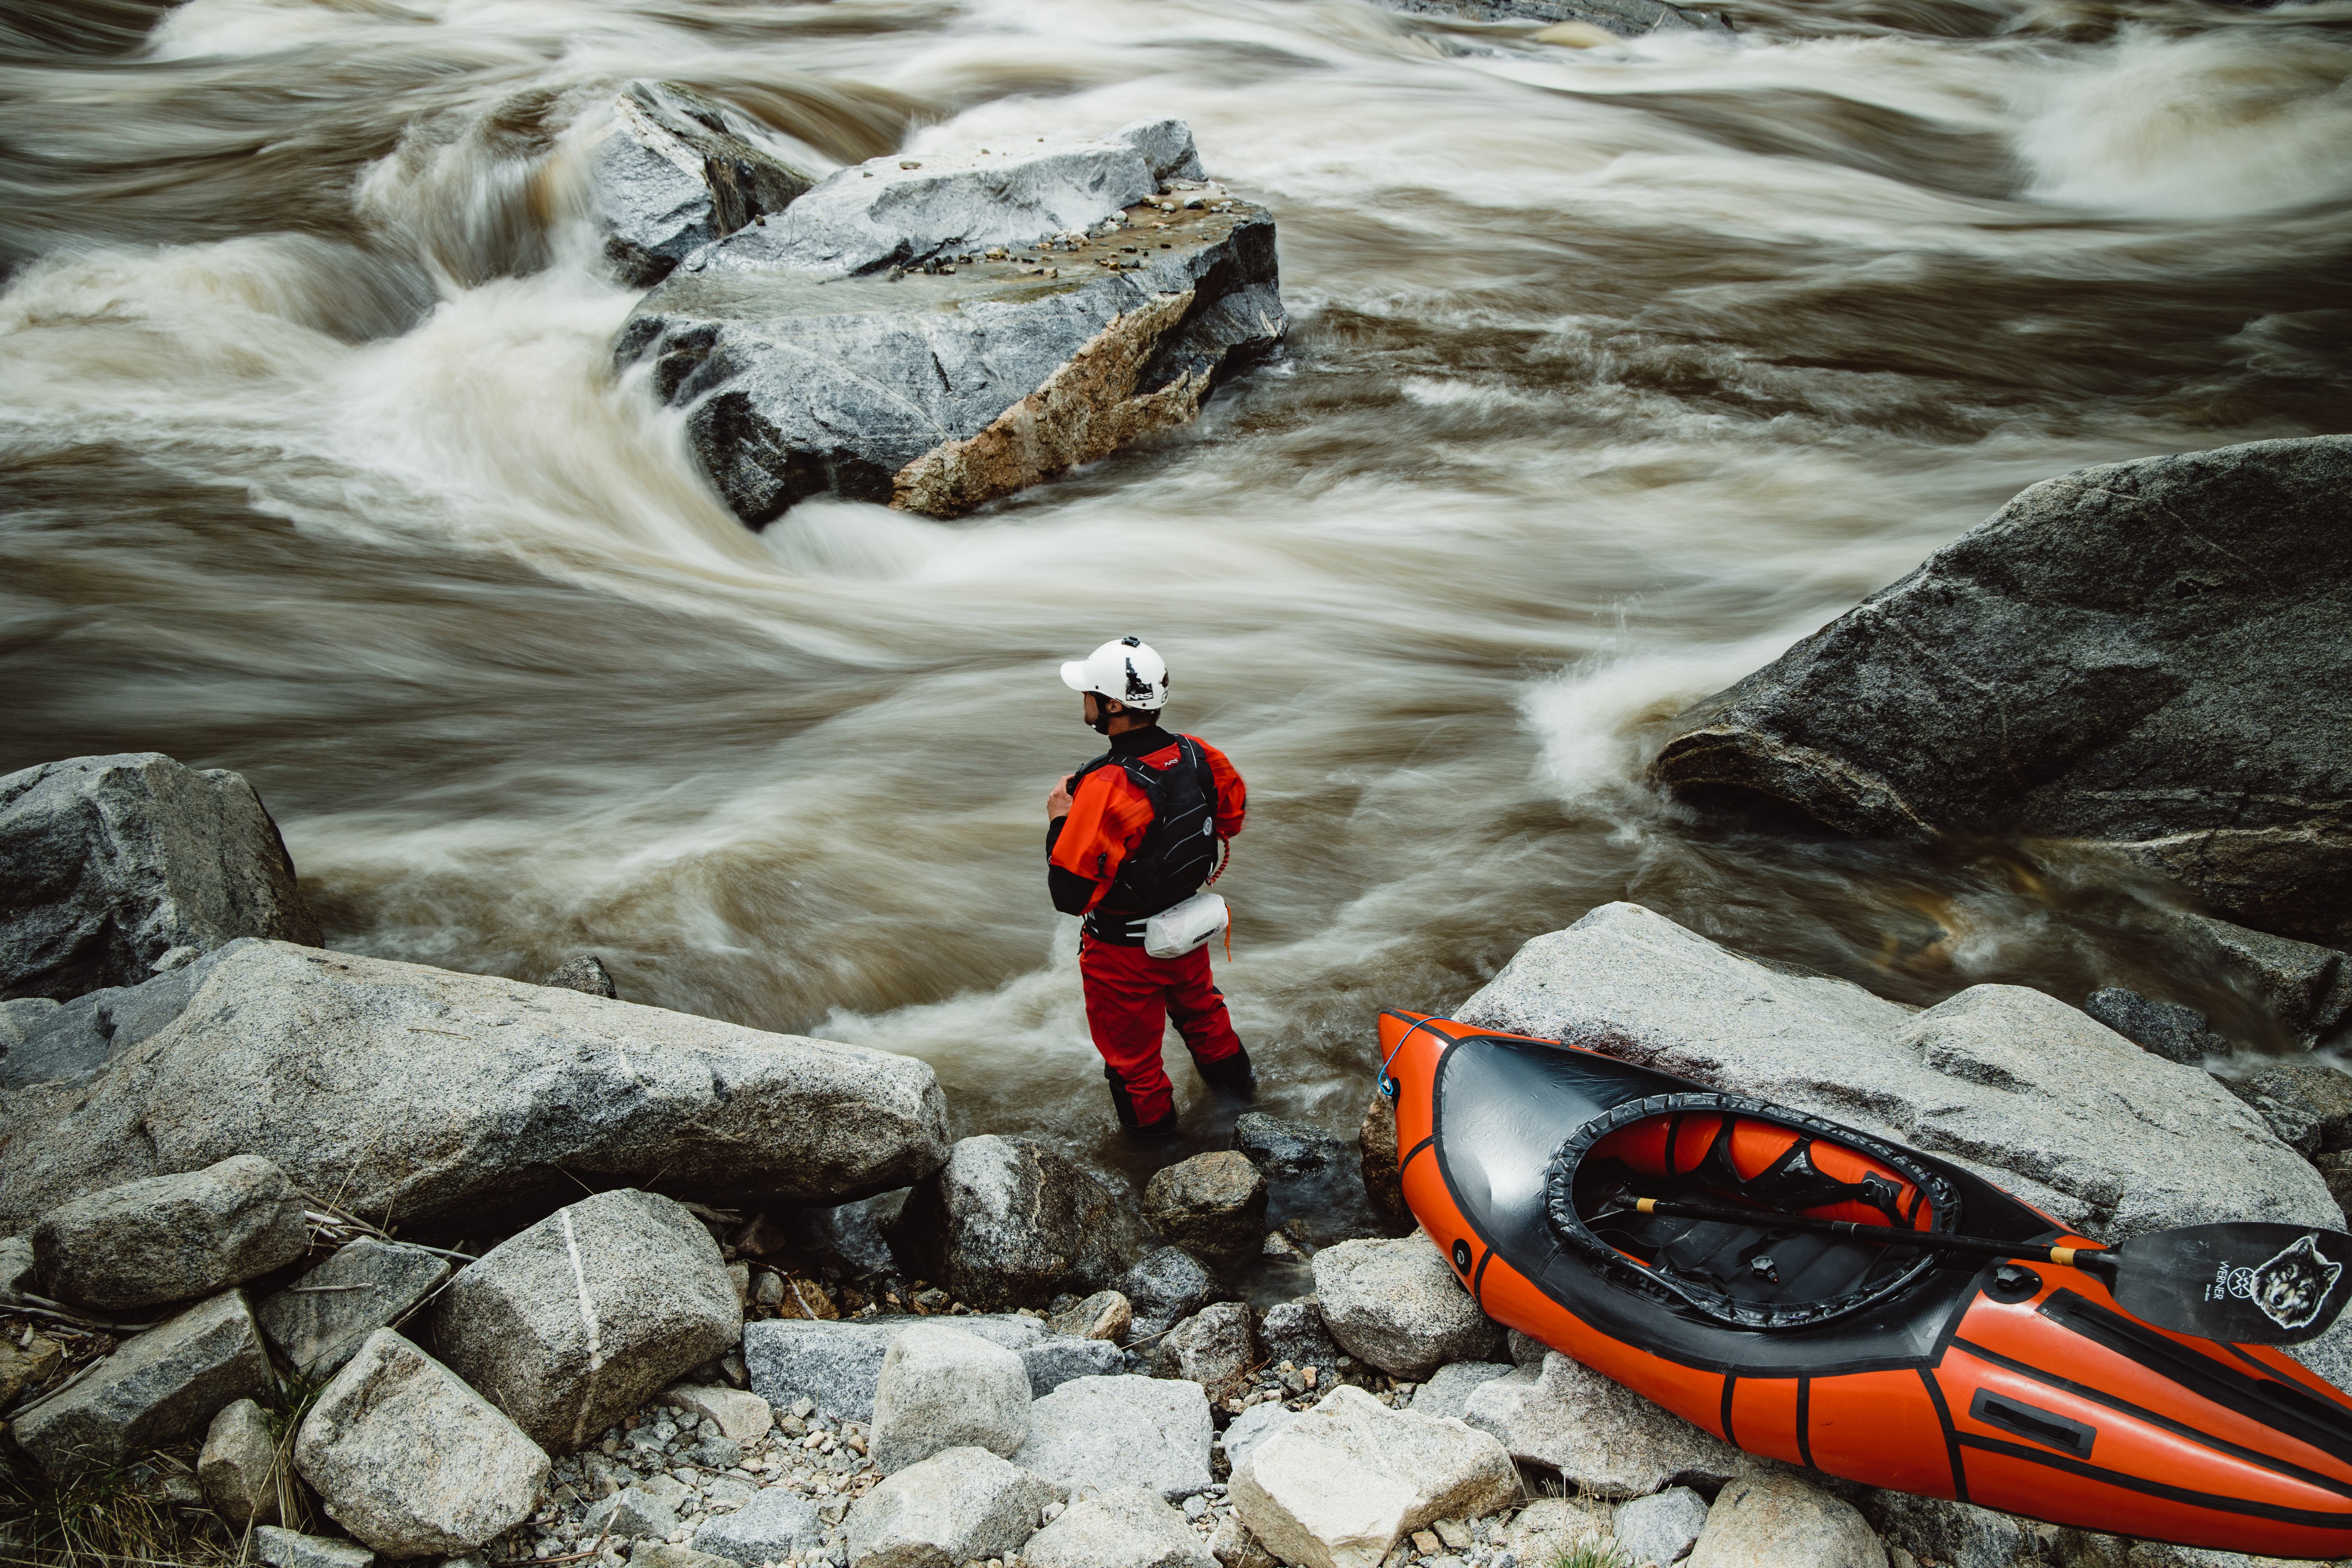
x,y
1125,671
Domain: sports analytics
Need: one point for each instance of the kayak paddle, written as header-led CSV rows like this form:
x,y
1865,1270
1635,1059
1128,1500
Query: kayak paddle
x,y
2254,1282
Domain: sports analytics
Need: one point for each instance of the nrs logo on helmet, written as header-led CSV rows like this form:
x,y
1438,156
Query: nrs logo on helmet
x,y
1126,671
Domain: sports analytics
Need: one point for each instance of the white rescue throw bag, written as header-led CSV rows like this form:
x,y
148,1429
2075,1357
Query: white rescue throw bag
x,y
1177,930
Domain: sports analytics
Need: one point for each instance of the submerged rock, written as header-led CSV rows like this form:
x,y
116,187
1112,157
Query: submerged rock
x,y
423,1094
802,371
1007,1222
115,865
673,170
2145,656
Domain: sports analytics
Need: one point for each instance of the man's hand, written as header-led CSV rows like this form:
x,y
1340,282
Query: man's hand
x,y
1058,805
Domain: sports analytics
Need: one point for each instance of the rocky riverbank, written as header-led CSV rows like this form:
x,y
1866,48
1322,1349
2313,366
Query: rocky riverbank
x,y
303,1270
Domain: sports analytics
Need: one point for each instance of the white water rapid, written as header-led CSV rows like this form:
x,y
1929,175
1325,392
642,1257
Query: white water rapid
x,y
1613,373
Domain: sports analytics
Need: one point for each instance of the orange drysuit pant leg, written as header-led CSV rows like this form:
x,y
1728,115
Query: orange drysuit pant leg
x,y
1130,996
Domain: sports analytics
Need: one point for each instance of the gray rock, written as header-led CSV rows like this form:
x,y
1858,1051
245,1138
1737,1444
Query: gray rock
x,y
1052,1362
2094,664
1121,1432
1234,1546
632,1514
648,1554
1626,18
2175,1033
1781,1519
740,1417
1165,145
20,1018
69,1043
904,211
769,1527
427,1094
1345,1482
942,1388
1447,1391
1007,1221
1214,1348
411,1460
160,1387
1166,1285
1281,1147
113,862
837,1366
237,1466
1251,1427
1293,1331
673,170
1119,1527
319,1320
585,975
167,1239
2308,1103
1958,1534
2307,988
1105,1315
960,1506
1376,1142
2335,1170
1604,1440
287,1549
851,1235
941,392
1212,1205
571,1325
1551,1526
1661,1528
1396,1305
16,1267
2009,1082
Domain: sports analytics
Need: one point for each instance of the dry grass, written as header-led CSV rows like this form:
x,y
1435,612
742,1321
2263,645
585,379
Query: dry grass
x,y
101,1518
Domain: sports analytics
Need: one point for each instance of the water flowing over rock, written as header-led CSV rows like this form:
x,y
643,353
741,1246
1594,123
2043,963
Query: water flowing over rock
x,y
940,389
673,169
411,1460
2148,656
573,1324
421,1093
158,1387
115,864
1007,1222
1342,1484
168,1239
1603,1439
1398,1306
962,1505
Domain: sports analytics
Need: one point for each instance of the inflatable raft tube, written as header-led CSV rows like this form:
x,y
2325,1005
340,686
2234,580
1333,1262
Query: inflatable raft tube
x,y
2020,1388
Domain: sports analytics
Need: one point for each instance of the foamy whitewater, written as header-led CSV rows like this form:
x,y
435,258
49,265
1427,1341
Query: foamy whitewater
x,y
1613,373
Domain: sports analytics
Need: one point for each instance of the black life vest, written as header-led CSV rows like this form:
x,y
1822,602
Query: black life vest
x,y
1180,848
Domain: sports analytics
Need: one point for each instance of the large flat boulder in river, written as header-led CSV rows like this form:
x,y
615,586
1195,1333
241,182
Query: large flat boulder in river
x,y
115,865
419,1095
2149,657
934,338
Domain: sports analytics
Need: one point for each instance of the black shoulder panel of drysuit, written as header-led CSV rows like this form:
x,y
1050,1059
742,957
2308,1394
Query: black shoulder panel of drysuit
x,y
1071,892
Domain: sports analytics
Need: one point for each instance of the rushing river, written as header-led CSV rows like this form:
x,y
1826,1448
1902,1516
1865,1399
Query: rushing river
x,y
1611,373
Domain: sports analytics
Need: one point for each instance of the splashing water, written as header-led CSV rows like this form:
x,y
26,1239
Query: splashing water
x,y
1613,373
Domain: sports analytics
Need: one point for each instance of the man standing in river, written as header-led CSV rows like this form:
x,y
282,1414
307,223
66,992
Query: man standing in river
x,y
1135,832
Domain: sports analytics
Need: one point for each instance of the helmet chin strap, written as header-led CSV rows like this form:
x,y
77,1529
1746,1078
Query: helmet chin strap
x,y
1100,722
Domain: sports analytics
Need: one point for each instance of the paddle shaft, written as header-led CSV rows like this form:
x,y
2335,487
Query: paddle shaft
x,y
1971,1246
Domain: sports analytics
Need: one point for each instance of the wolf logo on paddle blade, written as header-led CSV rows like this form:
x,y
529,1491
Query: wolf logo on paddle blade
x,y
2292,1287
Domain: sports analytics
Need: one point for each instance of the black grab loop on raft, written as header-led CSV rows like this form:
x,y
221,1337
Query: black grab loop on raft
x,y
1790,1182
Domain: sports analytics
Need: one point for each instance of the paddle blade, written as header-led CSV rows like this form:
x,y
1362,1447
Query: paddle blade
x,y
2252,1283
